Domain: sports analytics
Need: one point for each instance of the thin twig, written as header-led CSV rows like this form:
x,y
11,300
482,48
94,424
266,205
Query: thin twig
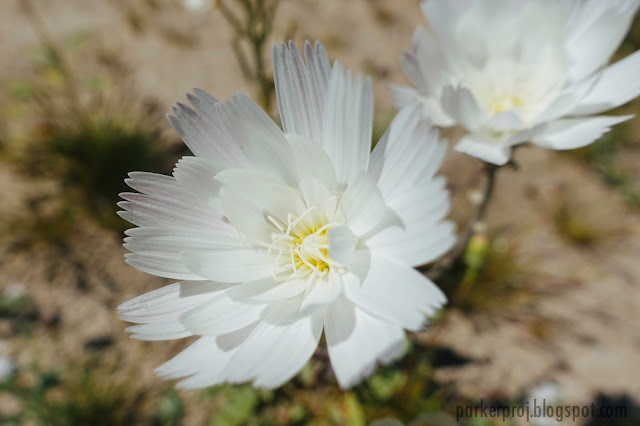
x,y
254,30
58,60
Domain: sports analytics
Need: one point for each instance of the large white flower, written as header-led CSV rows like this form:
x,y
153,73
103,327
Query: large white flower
x,y
511,72
279,236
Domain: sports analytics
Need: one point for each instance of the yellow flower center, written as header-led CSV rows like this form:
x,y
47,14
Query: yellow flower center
x,y
504,103
300,247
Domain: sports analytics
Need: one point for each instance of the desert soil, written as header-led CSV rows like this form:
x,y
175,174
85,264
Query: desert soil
x,y
585,299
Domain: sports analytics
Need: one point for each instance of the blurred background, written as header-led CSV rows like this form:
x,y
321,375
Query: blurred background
x,y
548,310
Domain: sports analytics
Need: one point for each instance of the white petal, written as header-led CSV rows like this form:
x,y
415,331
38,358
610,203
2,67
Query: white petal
x,y
357,341
323,292
418,238
177,240
158,250
162,265
197,175
158,331
347,122
363,205
206,136
231,341
300,89
204,361
174,210
392,291
319,69
460,104
616,85
428,60
402,96
526,135
597,29
409,155
169,302
295,347
264,144
484,148
220,315
577,132
202,354
229,266
267,290
443,15
430,107
560,106
505,121
274,353
249,198
342,244
152,183
313,167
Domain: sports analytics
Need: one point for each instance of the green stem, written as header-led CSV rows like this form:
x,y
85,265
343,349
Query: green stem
x,y
451,271
491,170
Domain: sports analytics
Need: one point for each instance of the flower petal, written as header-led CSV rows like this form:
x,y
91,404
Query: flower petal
x,y
574,133
220,315
249,199
204,361
158,331
230,266
460,104
320,294
430,107
353,350
615,85
169,302
313,167
300,88
596,30
268,290
274,352
206,136
174,210
484,148
197,175
347,123
162,265
392,291
363,205
419,238
342,244
409,155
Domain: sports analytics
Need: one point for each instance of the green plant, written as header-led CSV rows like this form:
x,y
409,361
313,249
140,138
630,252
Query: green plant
x,y
90,131
493,274
251,29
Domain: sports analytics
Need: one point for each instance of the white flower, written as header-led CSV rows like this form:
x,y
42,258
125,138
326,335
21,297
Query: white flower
x,y
197,5
511,72
278,237
7,366
545,394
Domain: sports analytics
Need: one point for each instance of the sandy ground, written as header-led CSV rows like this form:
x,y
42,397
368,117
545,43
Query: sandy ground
x,y
586,298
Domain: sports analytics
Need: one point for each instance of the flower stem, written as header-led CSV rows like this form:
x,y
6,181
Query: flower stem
x,y
450,272
491,171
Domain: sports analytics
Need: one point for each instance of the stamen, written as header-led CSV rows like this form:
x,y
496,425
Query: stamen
x,y
275,222
301,249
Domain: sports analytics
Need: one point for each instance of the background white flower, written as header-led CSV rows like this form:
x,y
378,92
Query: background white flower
x,y
278,237
511,72
197,5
